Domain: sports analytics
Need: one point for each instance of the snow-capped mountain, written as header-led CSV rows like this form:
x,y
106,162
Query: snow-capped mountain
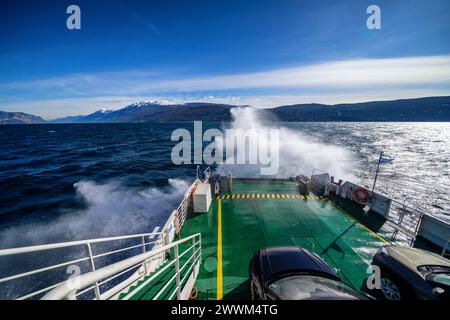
x,y
156,110
421,109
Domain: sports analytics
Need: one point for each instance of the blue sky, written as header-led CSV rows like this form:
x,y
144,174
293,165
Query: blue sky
x,y
263,53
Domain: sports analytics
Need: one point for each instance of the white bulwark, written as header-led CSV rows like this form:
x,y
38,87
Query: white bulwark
x,y
435,230
202,198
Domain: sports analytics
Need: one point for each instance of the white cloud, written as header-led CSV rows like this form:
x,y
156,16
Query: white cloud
x,y
341,74
329,82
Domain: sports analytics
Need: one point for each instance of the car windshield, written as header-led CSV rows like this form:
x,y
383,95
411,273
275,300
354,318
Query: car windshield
x,y
312,287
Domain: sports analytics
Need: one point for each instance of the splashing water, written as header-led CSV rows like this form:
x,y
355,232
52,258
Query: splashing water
x,y
298,153
112,210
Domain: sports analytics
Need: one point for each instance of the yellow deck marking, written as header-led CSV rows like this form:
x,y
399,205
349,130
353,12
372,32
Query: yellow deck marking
x,y
374,233
270,195
219,252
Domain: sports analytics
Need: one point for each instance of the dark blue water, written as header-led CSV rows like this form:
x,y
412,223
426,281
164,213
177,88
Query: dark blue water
x,y
49,173
66,182
81,181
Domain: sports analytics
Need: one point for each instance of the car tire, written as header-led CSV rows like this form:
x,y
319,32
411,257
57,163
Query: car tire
x,y
393,289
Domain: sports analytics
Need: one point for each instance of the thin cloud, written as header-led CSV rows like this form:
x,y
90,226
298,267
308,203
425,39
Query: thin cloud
x,y
341,74
330,82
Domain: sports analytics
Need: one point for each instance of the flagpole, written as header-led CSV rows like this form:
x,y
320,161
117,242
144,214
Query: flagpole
x,y
375,180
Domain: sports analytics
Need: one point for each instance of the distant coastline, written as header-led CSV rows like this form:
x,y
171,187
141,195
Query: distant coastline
x,y
428,109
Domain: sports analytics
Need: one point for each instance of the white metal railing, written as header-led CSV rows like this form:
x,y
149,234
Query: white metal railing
x,y
179,278
145,242
404,219
182,210
207,175
71,288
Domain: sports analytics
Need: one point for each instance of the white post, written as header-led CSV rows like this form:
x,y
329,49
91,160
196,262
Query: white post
x,y
91,262
143,251
143,244
375,180
193,250
200,247
177,271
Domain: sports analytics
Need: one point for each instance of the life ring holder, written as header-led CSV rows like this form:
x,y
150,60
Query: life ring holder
x,y
361,195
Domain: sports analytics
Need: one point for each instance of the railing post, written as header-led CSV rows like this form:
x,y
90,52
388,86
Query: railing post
x,y
143,251
200,246
193,249
401,216
91,262
177,271
143,244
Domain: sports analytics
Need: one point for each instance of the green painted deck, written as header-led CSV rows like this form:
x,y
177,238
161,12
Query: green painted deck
x,y
262,213
164,281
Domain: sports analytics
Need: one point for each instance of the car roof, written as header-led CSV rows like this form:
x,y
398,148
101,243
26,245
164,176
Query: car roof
x,y
279,260
413,258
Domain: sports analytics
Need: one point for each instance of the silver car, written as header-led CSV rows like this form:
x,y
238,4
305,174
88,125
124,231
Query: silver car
x,y
409,273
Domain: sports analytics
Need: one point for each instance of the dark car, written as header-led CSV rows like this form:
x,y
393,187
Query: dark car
x,y
409,273
294,273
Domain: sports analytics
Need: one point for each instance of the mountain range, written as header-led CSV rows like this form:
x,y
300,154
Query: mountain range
x,y
19,118
420,109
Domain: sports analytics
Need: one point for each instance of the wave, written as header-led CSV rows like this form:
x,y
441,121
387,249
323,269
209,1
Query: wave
x,y
298,153
111,209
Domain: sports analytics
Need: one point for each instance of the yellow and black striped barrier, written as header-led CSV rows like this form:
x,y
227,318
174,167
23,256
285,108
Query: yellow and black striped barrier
x,y
268,196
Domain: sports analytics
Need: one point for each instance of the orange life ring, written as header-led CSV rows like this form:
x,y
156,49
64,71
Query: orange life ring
x,y
361,195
